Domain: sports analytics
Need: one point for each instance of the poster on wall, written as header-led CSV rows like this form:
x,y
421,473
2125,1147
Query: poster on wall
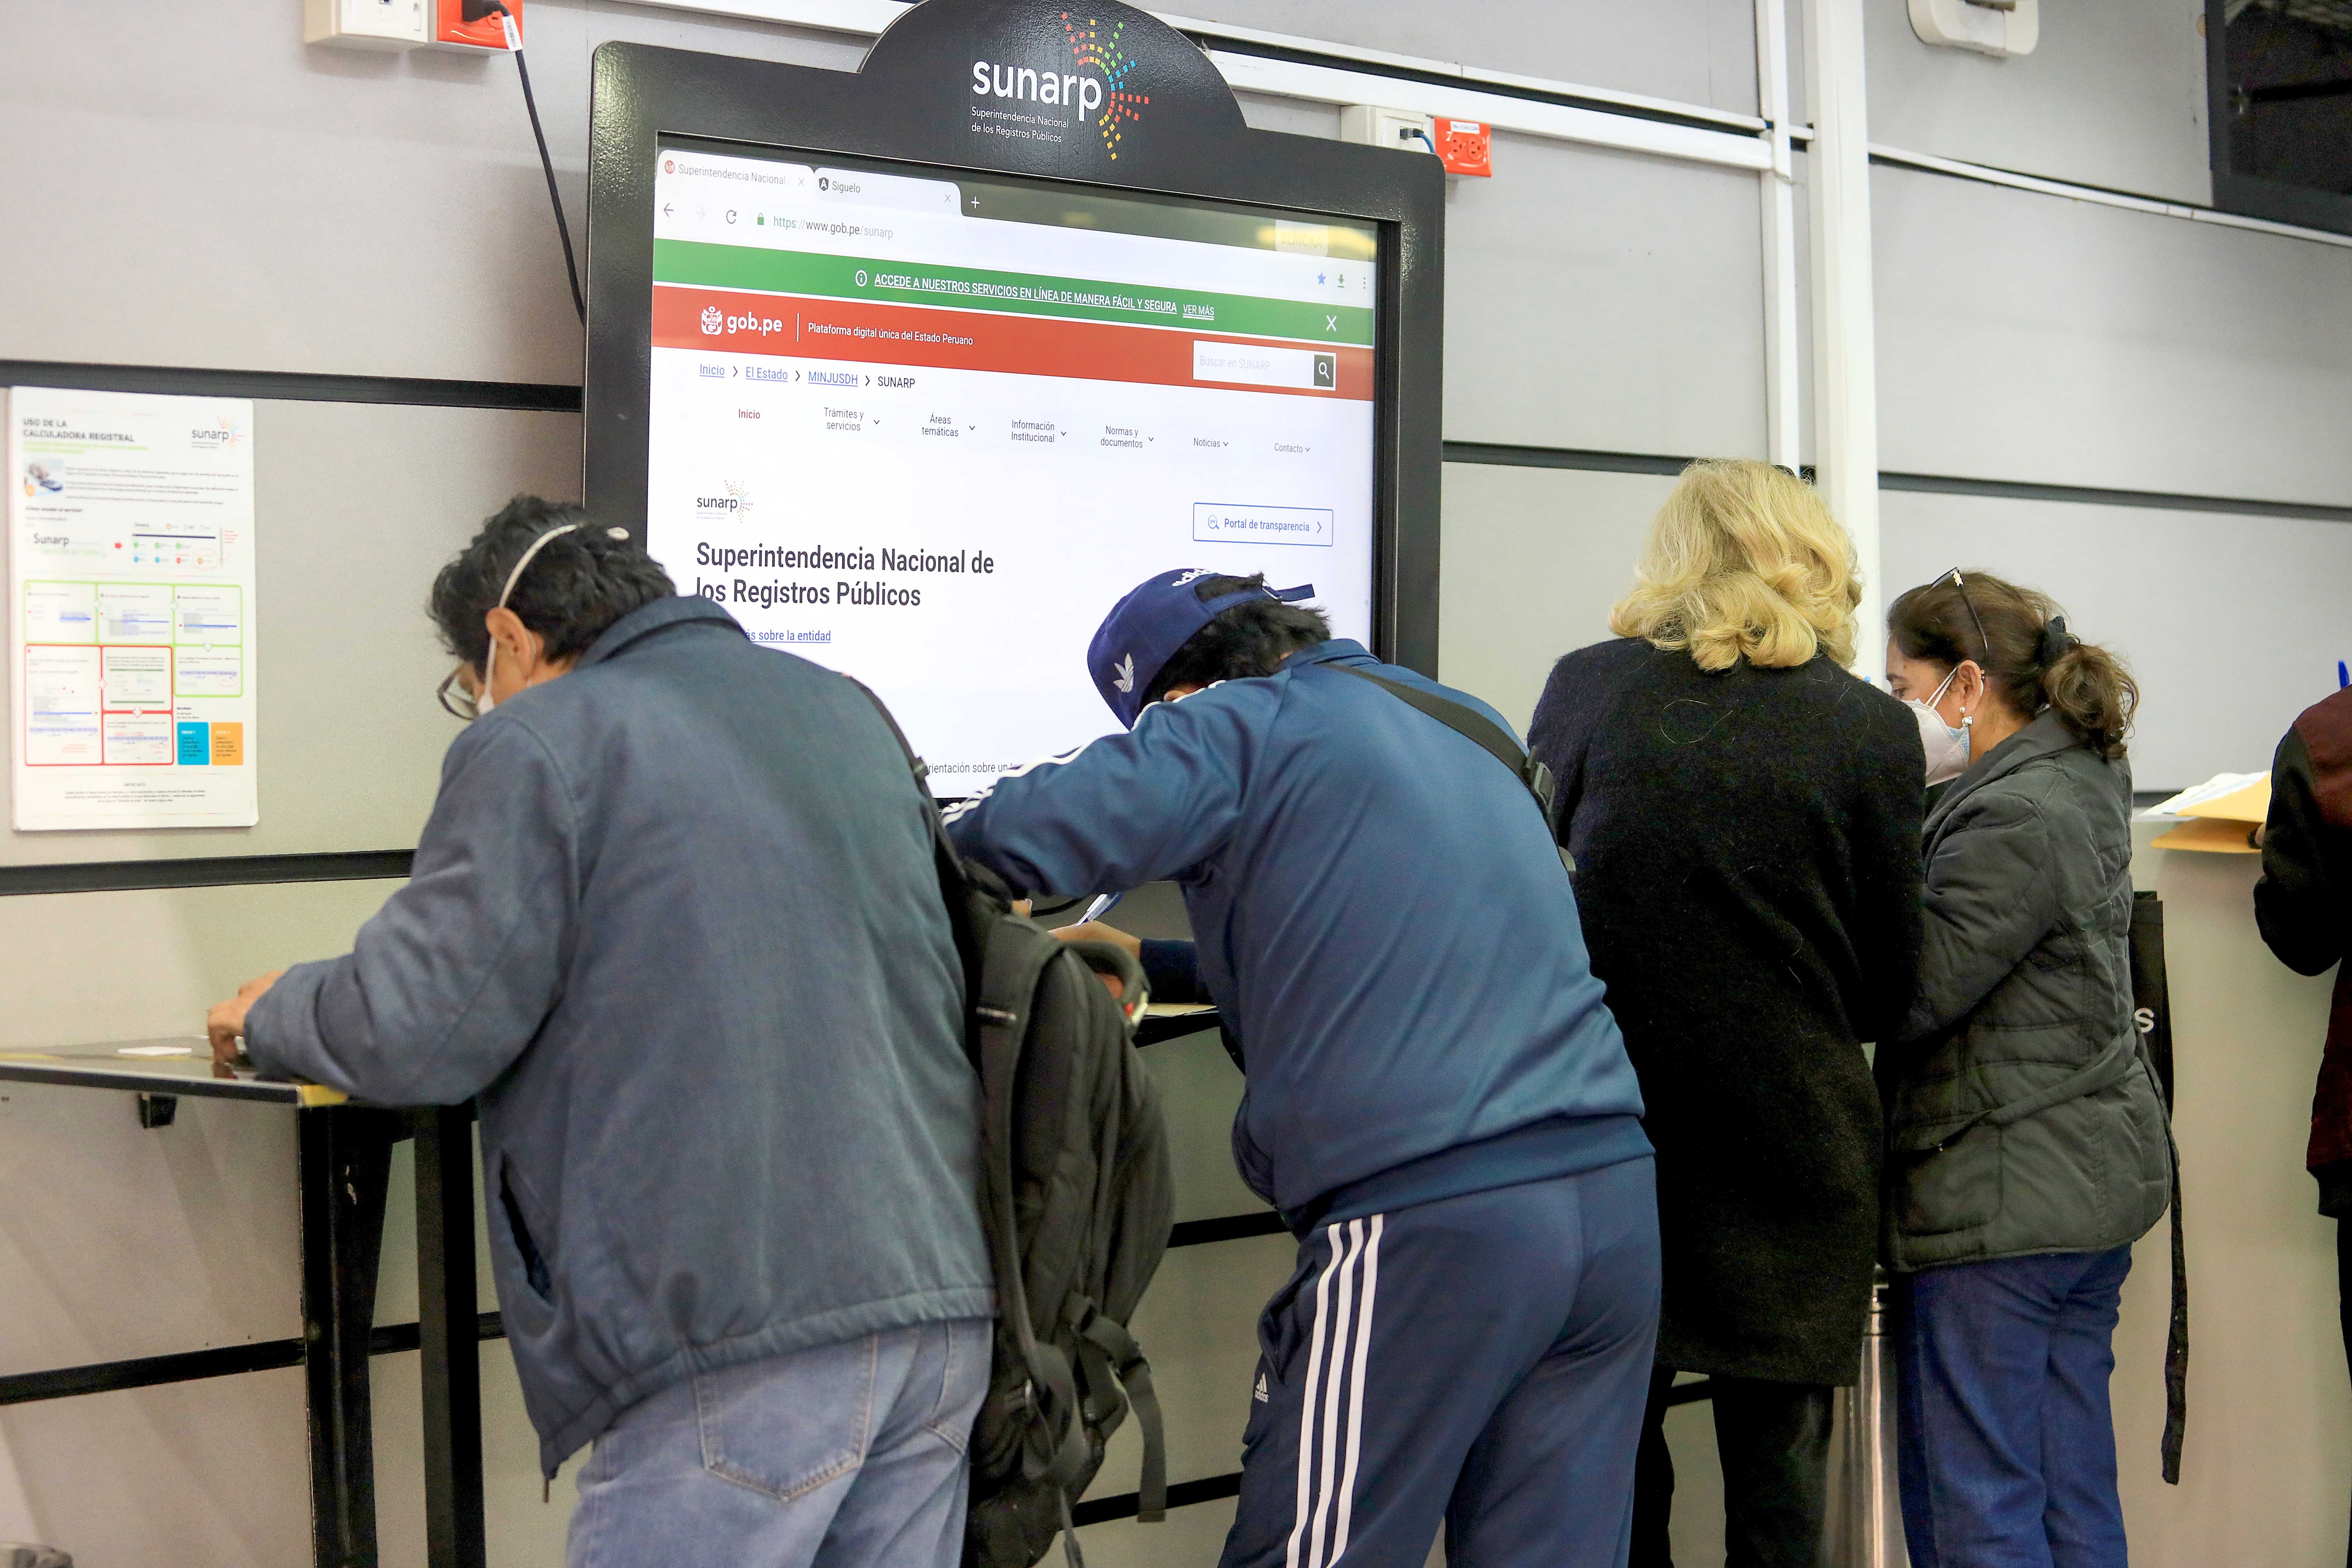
x,y
131,611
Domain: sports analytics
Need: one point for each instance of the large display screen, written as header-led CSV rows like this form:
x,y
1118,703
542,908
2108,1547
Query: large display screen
x,y
926,429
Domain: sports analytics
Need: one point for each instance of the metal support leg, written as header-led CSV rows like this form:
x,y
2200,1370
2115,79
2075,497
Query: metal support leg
x,y
449,1338
345,1166
1869,1534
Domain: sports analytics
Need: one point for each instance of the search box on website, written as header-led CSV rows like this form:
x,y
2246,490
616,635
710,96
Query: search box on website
x,y
1246,365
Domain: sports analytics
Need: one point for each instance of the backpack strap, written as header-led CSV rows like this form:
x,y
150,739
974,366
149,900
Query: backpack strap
x,y
1120,1354
1475,727
1013,967
955,878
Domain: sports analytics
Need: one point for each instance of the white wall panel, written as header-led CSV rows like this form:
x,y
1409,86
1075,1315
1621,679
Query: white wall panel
x,y
2269,1428
198,186
1533,559
2026,337
117,1242
357,507
195,1475
2113,95
2232,624
1188,1537
86,967
1199,1326
1693,51
1606,301
1293,116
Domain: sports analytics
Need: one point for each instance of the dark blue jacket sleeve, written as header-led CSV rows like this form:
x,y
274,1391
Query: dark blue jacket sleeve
x,y
1172,970
1127,809
450,982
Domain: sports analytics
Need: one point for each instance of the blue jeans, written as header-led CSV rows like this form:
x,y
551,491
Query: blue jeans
x,y
838,1457
2007,1443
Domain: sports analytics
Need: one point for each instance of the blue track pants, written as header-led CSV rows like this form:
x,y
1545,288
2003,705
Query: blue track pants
x,y
1479,1363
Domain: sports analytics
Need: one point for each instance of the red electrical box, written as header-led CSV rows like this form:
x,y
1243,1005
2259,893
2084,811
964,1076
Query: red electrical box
x,y
1462,146
472,25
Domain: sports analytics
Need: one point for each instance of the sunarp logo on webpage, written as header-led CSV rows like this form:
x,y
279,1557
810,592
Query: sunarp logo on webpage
x,y
737,500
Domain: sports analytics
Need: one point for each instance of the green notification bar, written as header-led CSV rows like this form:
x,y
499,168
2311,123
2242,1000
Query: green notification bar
x,y
1022,293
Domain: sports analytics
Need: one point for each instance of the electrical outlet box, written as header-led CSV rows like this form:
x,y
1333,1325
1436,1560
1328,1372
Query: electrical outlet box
x,y
384,25
1465,147
470,27
1989,27
1376,127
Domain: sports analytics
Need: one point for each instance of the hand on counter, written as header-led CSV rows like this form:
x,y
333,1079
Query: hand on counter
x,y
1094,931
226,1022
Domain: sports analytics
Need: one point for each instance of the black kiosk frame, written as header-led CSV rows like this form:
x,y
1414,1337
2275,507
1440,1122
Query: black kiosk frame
x,y
909,105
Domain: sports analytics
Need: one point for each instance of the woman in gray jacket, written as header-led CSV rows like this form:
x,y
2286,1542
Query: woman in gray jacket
x,y
2026,1146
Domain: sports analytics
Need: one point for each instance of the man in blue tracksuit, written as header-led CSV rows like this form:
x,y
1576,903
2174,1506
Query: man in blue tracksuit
x,y
1438,1098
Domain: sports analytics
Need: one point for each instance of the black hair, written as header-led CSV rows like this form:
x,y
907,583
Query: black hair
x,y
1251,637
579,583
2018,638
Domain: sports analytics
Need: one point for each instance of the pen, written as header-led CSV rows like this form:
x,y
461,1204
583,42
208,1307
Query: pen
x,y
1100,907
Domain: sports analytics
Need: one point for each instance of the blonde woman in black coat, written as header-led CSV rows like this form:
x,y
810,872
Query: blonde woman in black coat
x,y
1745,819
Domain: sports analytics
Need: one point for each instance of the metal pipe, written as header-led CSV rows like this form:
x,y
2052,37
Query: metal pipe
x,y
1845,375
1783,386
1869,1535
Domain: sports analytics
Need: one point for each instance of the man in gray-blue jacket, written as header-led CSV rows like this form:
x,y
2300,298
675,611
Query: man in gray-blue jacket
x,y
674,921
1438,1100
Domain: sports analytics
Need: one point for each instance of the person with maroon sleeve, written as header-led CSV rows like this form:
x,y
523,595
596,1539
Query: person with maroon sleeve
x,y
2303,905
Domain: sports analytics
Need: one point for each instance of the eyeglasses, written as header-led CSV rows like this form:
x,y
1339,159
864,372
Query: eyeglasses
x,y
455,700
1961,583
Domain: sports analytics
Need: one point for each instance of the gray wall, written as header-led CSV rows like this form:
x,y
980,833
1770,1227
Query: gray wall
x,y
207,191
1692,51
2113,95
2028,337
2227,649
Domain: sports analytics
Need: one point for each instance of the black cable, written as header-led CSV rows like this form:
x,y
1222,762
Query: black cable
x,y
476,10
547,164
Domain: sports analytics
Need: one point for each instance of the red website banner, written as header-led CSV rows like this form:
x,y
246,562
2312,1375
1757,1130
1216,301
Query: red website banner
x,y
787,326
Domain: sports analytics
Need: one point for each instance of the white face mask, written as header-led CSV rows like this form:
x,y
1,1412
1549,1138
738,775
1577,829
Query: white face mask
x,y
1946,745
483,700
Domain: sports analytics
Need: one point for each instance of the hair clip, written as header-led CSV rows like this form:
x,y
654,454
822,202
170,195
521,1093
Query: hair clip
x,y
2054,642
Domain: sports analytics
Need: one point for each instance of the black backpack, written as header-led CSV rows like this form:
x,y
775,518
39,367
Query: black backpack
x,y
1076,1202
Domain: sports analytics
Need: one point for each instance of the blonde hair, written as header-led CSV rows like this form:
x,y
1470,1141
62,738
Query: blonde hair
x,y
1744,562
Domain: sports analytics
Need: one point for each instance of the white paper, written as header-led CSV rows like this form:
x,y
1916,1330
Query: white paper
x,y
131,611
2213,788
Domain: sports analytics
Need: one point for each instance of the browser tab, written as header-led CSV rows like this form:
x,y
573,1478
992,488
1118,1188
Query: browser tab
x,y
862,187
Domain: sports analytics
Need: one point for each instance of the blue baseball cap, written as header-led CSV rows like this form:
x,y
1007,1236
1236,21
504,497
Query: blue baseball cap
x,y
1144,630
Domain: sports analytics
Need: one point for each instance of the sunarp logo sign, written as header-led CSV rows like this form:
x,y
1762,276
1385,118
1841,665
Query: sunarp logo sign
x,y
1096,90
1120,108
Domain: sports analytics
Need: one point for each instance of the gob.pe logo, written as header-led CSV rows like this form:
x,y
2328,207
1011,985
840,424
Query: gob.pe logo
x,y
713,323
